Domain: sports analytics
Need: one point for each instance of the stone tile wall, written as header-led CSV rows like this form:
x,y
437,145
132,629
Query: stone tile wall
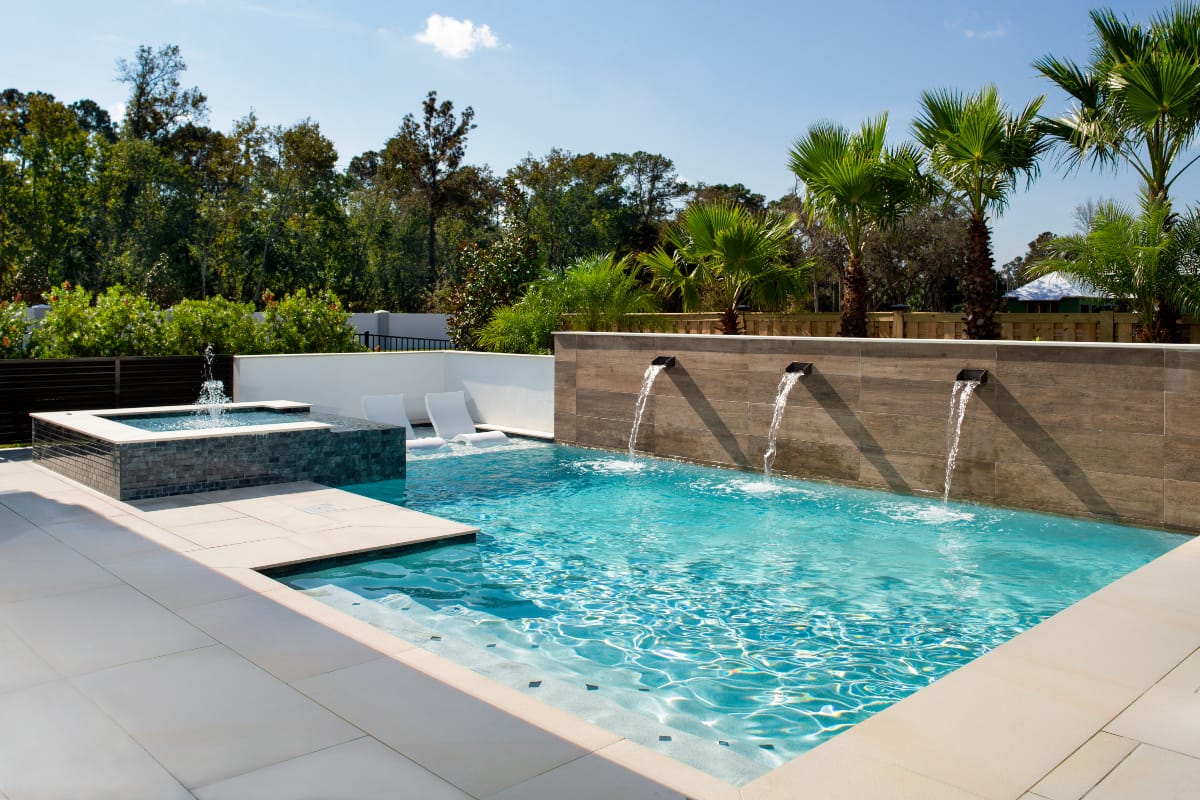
x,y
1102,431
353,451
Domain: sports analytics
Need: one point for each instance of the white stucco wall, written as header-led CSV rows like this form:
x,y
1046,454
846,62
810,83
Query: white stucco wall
x,y
507,391
516,389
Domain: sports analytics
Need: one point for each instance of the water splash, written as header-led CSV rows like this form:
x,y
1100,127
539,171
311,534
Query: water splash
x,y
640,409
786,383
959,395
212,398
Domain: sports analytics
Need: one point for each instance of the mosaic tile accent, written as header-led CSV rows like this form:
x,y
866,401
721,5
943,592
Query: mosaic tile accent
x,y
351,451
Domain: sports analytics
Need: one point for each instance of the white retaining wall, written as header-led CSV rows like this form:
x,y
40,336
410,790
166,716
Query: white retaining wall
x,y
511,392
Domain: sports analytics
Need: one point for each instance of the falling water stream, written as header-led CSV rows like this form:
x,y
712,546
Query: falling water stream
x,y
212,398
959,395
786,383
647,382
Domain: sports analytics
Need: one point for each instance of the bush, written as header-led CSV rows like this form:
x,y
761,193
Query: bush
x,y
228,326
495,276
65,332
126,324
525,327
13,327
300,323
120,323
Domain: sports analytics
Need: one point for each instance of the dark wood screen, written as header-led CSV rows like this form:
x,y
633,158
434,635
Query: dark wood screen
x,y
72,384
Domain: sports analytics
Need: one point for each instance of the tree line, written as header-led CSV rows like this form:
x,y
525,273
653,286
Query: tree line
x,y
165,205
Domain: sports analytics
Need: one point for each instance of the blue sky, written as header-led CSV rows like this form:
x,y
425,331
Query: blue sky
x,y
723,89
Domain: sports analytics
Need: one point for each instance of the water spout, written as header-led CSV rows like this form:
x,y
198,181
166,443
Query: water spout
x,y
793,373
965,384
212,398
656,366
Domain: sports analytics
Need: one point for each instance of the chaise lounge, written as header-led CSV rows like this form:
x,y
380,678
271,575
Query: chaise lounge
x,y
451,420
389,408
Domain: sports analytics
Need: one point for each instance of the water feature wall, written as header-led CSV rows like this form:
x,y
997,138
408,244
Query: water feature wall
x,y
1106,431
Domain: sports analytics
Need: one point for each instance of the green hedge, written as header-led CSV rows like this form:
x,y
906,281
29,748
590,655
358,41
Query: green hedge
x,y
122,323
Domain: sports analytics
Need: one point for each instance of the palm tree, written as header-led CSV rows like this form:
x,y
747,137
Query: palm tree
x,y
853,183
1137,101
1138,260
980,150
722,253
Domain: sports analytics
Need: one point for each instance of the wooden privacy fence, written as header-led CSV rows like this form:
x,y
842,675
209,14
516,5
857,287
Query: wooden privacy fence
x,y
72,384
1105,326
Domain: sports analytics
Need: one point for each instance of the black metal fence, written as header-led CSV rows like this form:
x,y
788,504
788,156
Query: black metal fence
x,y
72,384
375,341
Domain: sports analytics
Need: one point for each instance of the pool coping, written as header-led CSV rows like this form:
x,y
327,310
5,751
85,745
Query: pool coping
x,y
101,424
1077,702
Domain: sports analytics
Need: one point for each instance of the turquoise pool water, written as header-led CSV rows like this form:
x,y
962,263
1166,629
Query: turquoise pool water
x,y
200,420
729,623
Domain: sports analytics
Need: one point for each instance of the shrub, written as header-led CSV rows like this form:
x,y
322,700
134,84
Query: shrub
x,y
13,327
228,326
126,324
524,327
495,276
65,332
303,323
120,323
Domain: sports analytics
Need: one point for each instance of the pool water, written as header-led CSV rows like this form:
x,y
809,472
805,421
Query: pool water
x,y
200,419
725,621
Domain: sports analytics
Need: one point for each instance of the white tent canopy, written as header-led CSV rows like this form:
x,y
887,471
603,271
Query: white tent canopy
x,y
1053,286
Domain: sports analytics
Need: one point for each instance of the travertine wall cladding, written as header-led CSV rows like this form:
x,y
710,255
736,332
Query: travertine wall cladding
x,y
1109,431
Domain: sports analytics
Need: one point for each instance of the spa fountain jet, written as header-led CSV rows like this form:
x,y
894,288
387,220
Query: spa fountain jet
x,y
212,398
965,384
656,366
793,373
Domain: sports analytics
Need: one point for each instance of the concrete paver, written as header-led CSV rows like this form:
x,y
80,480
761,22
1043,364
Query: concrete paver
x,y
186,669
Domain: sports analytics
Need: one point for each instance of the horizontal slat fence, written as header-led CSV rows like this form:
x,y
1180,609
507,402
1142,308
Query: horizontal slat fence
x,y
1106,326
73,384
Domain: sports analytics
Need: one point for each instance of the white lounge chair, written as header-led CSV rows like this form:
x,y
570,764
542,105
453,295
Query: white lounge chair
x,y
389,408
450,418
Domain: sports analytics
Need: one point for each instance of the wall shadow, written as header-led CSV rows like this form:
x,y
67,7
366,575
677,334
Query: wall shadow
x,y
828,398
708,415
1042,444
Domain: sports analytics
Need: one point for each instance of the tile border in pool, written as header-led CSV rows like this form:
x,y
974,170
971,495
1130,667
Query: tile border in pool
x,y
1063,704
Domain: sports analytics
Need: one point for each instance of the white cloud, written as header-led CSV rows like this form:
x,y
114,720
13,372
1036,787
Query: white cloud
x,y
456,38
998,31
116,112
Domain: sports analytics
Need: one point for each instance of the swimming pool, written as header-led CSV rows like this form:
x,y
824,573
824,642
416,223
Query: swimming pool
x,y
729,623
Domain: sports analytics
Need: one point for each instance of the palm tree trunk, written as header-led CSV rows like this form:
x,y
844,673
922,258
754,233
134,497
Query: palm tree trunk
x,y
730,321
854,300
1162,327
979,283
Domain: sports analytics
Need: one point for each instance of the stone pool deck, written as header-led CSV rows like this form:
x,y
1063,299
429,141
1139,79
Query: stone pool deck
x,y
141,656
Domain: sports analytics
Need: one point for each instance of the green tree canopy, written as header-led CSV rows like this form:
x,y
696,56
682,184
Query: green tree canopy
x,y
722,254
1138,260
854,183
979,151
1137,100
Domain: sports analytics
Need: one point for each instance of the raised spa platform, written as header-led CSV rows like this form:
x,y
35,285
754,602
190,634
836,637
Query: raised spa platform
x,y
130,463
